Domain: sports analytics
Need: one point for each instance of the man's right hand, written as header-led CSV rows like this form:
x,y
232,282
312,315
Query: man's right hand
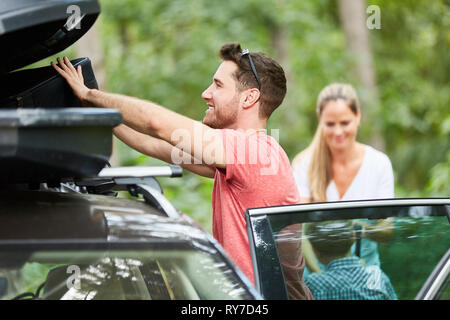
x,y
74,78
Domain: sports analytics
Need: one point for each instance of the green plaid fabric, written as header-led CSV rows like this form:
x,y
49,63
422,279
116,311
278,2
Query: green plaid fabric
x,y
348,279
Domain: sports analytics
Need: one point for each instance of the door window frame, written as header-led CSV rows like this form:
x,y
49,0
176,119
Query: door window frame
x,y
268,274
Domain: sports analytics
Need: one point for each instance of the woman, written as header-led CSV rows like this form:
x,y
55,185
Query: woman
x,y
336,167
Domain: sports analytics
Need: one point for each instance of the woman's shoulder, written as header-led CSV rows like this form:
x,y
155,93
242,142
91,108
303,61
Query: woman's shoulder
x,y
301,160
377,157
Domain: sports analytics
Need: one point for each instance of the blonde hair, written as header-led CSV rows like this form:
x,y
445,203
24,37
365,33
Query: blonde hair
x,y
320,171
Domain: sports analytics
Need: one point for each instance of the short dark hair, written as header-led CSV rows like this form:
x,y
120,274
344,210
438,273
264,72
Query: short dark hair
x,y
331,238
270,73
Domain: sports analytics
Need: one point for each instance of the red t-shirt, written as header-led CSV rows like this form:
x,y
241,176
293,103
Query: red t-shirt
x,y
258,174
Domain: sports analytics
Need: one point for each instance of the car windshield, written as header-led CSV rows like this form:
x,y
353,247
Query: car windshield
x,y
117,275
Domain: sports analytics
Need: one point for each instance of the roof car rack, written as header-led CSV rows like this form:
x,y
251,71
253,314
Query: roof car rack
x,y
137,181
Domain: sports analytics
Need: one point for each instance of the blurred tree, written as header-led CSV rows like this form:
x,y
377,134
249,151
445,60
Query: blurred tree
x,y
90,45
353,18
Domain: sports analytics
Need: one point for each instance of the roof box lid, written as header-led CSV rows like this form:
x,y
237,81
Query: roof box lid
x,y
31,30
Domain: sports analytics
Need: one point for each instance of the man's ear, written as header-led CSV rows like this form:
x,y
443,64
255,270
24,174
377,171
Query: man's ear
x,y
250,98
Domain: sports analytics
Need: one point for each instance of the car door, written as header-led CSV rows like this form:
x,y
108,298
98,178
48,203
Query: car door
x,y
437,286
417,239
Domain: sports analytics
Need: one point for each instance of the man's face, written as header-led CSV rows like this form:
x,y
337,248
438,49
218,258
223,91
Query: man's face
x,y
222,98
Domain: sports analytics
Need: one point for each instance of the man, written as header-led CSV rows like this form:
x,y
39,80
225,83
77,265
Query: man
x,y
344,277
249,168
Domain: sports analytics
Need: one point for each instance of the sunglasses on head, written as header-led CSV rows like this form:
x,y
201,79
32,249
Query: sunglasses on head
x,y
246,52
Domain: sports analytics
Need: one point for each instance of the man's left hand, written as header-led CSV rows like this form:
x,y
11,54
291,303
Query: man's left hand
x,y
74,78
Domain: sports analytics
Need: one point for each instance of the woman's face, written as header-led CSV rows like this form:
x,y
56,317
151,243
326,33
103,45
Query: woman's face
x,y
339,124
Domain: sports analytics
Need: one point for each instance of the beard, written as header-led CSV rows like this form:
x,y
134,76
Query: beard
x,y
224,116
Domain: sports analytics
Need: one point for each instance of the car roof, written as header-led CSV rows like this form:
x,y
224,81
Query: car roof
x,y
47,215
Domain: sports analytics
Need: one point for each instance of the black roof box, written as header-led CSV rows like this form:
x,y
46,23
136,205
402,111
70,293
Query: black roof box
x,y
31,30
51,145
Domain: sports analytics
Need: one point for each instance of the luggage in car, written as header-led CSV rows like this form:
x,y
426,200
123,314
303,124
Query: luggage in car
x,y
45,135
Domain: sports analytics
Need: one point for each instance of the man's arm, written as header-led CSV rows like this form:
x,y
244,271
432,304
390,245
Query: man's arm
x,y
161,150
193,137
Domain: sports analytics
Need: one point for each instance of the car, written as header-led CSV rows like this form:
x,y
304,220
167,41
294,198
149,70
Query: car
x,y
66,234
80,242
416,258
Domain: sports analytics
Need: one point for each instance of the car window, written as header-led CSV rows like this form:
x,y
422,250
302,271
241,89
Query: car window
x,y
410,241
117,275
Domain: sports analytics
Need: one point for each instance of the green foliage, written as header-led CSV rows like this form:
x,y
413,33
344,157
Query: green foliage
x,y
167,51
411,52
438,184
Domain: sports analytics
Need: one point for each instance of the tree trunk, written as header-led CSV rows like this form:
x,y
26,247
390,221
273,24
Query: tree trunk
x,y
281,55
353,18
90,45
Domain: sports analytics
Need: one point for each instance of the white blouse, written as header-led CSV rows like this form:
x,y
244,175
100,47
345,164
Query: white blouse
x,y
374,180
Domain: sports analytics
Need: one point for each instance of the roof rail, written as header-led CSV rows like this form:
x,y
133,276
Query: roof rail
x,y
141,172
135,180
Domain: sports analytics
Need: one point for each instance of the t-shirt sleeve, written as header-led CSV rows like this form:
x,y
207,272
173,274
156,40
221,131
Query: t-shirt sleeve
x,y
301,178
234,146
386,179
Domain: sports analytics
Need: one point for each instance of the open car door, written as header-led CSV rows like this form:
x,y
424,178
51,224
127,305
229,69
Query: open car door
x,y
416,242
